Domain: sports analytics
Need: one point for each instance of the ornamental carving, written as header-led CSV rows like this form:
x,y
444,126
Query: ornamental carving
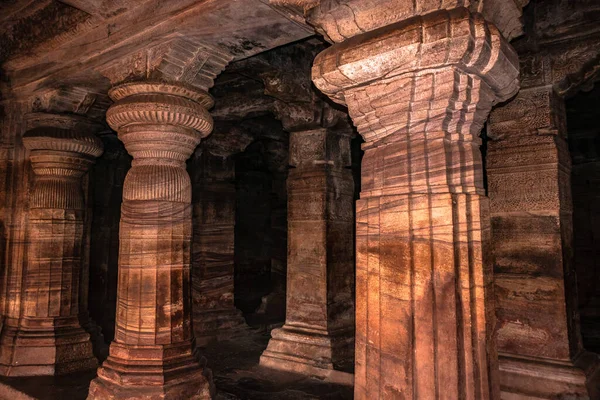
x,y
185,61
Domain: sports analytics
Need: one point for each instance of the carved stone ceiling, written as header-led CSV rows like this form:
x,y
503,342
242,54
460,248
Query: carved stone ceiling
x,y
48,43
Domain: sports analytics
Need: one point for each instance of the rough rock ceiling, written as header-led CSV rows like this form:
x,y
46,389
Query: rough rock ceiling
x,y
46,43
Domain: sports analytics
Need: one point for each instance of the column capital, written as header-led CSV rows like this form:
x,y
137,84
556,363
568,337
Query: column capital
x,y
70,105
339,20
320,147
454,38
534,111
50,139
159,120
426,74
60,156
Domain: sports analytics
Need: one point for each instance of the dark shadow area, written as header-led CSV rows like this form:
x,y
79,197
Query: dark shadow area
x,y
261,223
584,146
106,194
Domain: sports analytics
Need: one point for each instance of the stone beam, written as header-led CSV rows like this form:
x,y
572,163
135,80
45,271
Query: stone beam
x,y
339,20
239,31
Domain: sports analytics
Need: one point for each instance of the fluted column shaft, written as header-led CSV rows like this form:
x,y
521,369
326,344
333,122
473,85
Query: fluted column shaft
x,y
154,350
419,92
50,339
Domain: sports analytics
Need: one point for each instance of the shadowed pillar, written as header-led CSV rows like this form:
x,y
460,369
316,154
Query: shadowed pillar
x,y
529,170
153,352
212,170
49,339
419,85
317,337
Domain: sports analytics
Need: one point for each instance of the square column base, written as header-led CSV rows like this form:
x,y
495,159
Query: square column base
x,y
151,372
191,385
310,353
65,351
537,379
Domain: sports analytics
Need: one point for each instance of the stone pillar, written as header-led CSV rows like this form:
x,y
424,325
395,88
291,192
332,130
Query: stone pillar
x,y
419,85
14,187
317,337
529,173
213,198
49,339
154,351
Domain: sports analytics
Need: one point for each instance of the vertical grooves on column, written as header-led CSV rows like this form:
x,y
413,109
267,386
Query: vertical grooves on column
x,y
362,308
431,237
415,391
160,125
409,237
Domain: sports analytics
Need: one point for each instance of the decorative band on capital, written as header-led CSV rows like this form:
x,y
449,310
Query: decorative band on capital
x,y
448,38
51,139
160,104
166,142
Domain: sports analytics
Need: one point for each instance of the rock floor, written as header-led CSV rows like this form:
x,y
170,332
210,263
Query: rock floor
x,y
234,364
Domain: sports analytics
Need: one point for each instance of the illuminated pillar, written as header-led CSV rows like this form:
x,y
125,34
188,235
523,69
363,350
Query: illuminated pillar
x,y
154,350
419,85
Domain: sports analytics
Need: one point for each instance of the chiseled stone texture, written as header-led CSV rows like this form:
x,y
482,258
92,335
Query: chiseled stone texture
x,y
419,92
153,353
529,173
15,183
49,339
340,20
318,333
212,170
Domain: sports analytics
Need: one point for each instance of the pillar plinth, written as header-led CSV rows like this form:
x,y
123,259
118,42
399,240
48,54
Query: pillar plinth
x,y
419,92
49,339
153,354
317,337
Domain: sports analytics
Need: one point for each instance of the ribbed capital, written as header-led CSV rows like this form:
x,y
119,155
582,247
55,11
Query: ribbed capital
x,y
59,157
160,124
53,139
160,121
455,38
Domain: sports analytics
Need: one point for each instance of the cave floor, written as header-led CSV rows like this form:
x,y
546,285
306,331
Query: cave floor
x,y
234,364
